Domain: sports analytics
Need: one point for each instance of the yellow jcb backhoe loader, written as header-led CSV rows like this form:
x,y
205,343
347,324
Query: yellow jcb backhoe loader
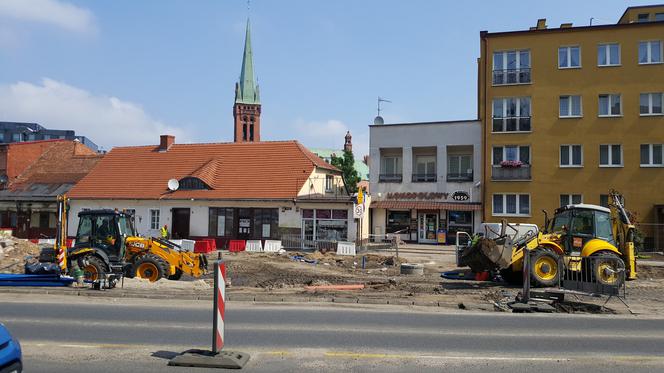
x,y
574,232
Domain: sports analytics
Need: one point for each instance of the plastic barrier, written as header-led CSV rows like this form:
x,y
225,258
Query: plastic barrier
x,y
346,248
236,245
202,247
254,246
272,246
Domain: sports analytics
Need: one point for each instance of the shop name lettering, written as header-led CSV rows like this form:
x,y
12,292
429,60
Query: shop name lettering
x,y
417,195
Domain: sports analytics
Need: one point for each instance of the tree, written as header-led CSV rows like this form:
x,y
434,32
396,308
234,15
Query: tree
x,y
347,166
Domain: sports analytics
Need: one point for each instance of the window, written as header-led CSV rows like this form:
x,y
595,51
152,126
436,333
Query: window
x,y
511,67
570,106
569,57
643,17
604,200
570,199
425,168
511,114
610,105
610,156
16,137
571,156
154,219
327,225
651,155
650,52
460,167
192,183
511,204
651,103
221,222
608,54
390,169
398,222
659,17
329,183
511,153
2,137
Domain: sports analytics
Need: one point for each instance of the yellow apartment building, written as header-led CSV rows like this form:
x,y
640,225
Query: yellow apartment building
x,y
569,113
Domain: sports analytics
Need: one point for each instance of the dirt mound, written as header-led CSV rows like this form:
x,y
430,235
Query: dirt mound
x,y
649,272
15,252
163,284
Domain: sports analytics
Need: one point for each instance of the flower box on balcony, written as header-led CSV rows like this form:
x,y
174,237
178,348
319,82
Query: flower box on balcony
x,y
511,164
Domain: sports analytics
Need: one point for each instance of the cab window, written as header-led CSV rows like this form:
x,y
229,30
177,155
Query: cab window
x,y
603,224
582,223
560,220
105,232
84,230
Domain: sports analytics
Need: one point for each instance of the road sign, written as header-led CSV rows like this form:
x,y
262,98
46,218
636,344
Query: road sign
x,y
360,197
358,211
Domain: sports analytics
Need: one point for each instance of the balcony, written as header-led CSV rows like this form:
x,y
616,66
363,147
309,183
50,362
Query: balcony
x,y
424,178
511,76
466,176
510,173
390,178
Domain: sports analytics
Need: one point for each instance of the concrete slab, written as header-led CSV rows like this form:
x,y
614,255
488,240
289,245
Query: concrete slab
x,y
208,359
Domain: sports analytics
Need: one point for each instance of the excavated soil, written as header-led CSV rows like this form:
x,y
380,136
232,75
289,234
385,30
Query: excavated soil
x,y
15,252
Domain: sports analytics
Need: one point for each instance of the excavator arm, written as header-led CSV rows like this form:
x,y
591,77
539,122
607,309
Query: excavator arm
x,y
623,231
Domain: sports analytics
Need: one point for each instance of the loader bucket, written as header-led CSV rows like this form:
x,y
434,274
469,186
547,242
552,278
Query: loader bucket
x,y
488,254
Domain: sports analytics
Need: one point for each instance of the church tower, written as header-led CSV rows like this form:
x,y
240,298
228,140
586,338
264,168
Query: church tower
x,y
247,108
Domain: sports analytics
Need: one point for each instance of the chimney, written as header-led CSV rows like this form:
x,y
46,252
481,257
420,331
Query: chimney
x,y
541,24
566,25
165,142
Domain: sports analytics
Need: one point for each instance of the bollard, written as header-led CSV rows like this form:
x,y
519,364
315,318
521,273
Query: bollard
x,y
215,358
364,261
525,297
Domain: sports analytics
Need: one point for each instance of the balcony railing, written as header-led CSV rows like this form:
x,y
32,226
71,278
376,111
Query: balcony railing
x,y
466,176
511,76
390,178
511,124
511,173
424,178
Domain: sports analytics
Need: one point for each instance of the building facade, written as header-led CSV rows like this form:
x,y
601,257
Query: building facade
x,y
425,179
12,132
570,113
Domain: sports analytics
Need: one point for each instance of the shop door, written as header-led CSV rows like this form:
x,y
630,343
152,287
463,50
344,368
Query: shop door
x,y
180,227
427,227
244,230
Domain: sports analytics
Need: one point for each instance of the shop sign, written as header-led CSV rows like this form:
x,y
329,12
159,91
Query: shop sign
x,y
460,196
417,195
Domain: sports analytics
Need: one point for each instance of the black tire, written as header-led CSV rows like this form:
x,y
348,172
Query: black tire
x,y
94,268
540,273
511,277
176,276
608,261
159,264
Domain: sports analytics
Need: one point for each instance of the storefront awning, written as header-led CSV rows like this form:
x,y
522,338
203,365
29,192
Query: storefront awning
x,y
426,205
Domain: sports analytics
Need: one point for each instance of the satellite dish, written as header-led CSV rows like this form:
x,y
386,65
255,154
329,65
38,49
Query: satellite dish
x,y
173,185
379,120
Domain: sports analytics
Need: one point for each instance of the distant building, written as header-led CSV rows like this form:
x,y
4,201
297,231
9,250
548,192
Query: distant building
x,y
11,132
361,165
32,175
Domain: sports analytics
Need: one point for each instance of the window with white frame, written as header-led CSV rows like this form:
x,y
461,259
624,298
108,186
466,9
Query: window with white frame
x,y
511,114
610,155
391,165
154,219
571,156
650,52
329,183
570,199
651,155
425,168
511,67
569,57
570,107
513,153
608,54
651,103
610,105
511,204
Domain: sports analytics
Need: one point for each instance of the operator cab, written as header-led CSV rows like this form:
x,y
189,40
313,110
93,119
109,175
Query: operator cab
x,y
580,224
105,230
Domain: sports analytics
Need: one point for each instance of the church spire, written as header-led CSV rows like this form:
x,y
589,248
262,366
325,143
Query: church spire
x,y
246,91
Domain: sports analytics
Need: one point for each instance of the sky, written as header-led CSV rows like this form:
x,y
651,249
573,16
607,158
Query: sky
x,y
123,72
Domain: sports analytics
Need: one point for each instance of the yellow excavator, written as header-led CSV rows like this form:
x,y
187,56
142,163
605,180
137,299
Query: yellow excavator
x,y
574,232
107,247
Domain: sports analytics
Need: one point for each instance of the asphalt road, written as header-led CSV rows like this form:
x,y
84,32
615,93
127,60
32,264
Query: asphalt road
x,y
81,334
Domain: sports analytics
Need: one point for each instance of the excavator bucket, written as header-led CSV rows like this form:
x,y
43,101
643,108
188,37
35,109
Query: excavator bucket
x,y
488,254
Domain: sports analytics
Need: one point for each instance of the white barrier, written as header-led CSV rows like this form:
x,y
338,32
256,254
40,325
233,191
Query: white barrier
x,y
346,248
254,246
272,246
188,245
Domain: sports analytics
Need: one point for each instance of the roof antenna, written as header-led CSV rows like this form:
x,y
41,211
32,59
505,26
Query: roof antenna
x,y
379,120
380,99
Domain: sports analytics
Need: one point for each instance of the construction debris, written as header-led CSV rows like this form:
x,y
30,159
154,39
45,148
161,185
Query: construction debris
x,y
15,252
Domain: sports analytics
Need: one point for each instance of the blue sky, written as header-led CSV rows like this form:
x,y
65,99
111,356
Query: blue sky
x,y
124,71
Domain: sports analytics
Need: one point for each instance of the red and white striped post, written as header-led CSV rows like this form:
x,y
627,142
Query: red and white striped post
x,y
219,306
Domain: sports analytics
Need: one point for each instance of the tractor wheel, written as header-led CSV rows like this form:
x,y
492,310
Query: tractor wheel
x,y
606,269
176,276
93,267
544,269
511,277
150,267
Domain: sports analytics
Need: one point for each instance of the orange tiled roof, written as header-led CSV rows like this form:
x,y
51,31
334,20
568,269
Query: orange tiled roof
x,y
259,170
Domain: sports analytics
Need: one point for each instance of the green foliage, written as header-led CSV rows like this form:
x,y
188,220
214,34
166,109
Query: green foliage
x,y
346,164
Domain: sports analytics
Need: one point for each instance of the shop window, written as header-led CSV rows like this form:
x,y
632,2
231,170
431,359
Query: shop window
x,y
328,225
398,222
221,222
307,214
266,223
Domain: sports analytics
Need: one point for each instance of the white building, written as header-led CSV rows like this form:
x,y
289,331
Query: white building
x,y
425,178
